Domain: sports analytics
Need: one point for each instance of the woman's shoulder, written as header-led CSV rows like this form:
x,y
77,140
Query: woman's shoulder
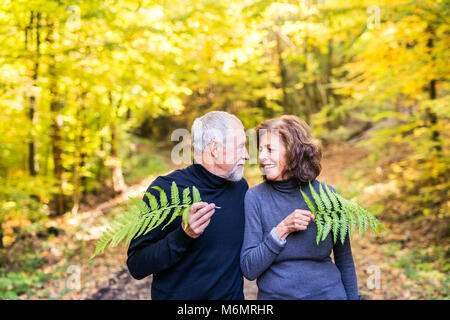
x,y
255,192
317,183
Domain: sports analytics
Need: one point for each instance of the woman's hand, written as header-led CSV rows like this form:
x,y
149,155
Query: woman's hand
x,y
296,221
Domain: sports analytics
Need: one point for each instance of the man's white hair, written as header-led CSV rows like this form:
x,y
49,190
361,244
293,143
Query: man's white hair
x,y
215,125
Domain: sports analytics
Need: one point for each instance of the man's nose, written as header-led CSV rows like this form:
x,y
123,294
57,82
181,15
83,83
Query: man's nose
x,y
246,155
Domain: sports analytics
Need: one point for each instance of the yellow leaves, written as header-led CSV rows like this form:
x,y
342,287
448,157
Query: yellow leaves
x,y
14,220
380,190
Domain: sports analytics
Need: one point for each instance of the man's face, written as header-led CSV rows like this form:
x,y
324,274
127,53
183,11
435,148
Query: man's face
x,y
232,156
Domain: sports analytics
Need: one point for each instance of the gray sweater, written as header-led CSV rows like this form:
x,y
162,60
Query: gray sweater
x,y
296,268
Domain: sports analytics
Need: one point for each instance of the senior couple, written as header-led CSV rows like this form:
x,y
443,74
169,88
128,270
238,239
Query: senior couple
x,y
265,233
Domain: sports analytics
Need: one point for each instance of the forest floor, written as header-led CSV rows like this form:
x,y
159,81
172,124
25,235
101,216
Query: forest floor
x,y
384,263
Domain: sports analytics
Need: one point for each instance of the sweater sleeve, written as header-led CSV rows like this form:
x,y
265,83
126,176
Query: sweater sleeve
x,y
159,249
344,261
258,252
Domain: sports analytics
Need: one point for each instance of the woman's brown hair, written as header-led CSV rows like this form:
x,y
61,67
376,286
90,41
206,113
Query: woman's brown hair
x,y
303,152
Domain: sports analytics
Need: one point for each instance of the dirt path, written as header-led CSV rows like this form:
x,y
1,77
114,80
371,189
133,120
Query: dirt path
x,y
107,277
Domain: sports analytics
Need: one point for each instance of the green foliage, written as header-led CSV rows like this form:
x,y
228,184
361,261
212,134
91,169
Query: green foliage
x,y
335,213
13,284
141,219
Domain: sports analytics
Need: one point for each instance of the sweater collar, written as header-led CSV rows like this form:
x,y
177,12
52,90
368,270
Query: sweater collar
x,y
207,178
286,186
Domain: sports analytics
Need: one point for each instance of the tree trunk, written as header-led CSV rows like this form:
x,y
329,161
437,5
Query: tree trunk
x,y
33,164
1,237
117,175
56,118
283,75
77,161
328,73
306,92
431,117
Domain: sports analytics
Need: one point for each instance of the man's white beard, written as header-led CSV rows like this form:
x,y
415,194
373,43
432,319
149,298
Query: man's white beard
x,y
236,173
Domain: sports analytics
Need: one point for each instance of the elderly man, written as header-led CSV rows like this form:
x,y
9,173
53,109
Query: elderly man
x,y
201,261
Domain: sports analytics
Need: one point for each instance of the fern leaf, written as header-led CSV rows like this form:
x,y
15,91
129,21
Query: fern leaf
x,y
134,229
174,194
185,216
186,197
326,201
175,214
142,206
144,225
359,222
336,223
319,228
309,203
155,218
332,197
365,220
118,229
195,195
162,196
162,217
326,227
352,221
373,223
334,212
343,227
152,201
316,198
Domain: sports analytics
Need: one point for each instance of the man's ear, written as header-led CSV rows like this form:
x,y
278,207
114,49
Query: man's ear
x,y
214,148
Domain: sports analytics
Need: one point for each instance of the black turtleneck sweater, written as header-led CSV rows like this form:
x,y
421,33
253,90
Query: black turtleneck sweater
x,y
184,268
297,268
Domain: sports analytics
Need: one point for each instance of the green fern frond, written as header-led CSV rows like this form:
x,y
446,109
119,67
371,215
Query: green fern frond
x,y
152,201
352,221
319,224
175,214
174,195
336,224
162,196
309,203
186,196
317,199
325,200
343,227
141,219
196,195
186,201
332,197
336,214
327,226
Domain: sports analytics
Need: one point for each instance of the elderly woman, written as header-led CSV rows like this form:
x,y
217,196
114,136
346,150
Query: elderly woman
x,y
279,248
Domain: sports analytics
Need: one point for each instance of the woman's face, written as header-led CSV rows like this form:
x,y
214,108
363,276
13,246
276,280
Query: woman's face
x,y
272,156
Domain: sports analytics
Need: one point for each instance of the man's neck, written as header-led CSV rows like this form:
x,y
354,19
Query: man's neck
x,y
210,166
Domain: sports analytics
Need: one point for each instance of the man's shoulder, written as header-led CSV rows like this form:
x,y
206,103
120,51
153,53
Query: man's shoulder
x,y
179,176
242,184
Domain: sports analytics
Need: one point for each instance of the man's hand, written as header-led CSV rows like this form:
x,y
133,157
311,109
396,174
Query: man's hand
x,y
199,218
296,221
